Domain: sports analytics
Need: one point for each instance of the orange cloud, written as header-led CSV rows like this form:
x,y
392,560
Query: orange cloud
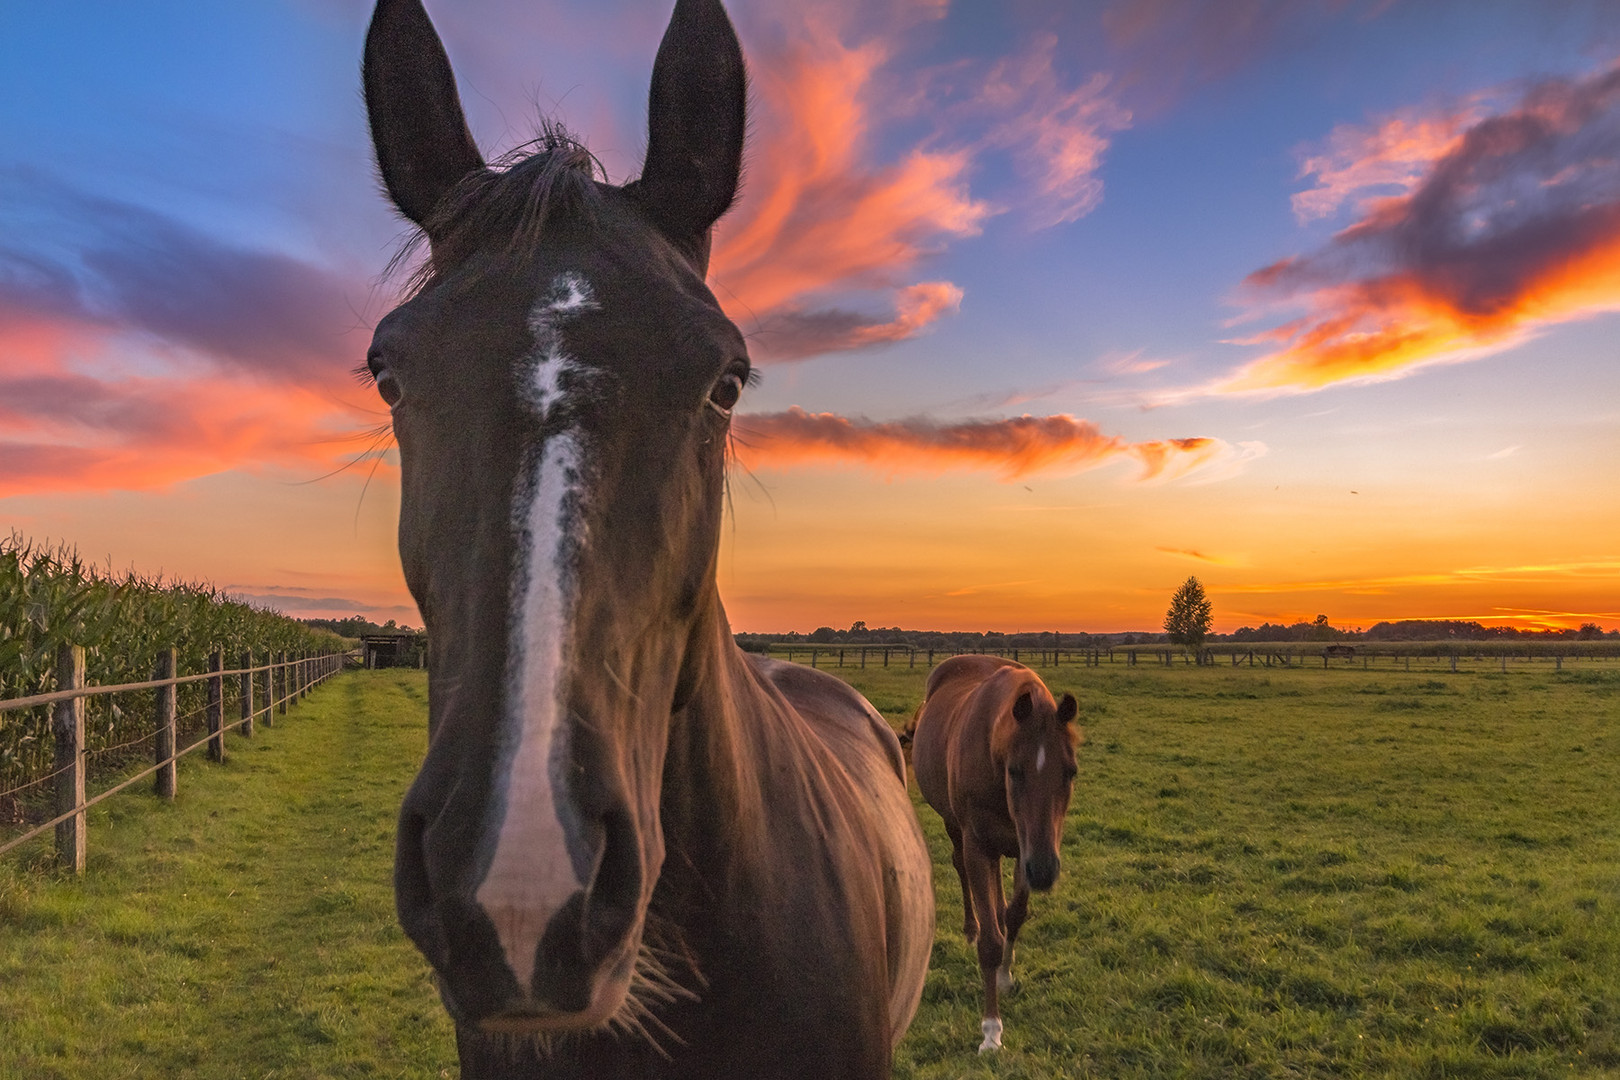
x,y
817,217
1512,227
63,430
1012,448
821,220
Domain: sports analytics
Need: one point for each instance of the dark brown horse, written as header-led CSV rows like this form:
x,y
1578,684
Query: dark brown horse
x,y
631,851
994,755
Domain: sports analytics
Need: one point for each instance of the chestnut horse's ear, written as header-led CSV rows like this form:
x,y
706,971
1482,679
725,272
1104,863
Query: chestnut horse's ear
x,y
1068,709
417,127
1023,707
696,114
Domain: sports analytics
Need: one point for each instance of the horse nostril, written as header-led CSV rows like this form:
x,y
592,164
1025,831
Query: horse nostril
x,y
1041,871
616,889
413,890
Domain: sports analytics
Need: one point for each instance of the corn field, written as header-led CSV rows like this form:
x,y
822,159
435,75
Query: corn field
x,y
50,596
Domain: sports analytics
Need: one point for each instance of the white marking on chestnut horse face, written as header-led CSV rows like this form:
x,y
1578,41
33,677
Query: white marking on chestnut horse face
x,y
532,874
1040,758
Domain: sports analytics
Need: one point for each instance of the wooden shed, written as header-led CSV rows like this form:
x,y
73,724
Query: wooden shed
x,y
400,648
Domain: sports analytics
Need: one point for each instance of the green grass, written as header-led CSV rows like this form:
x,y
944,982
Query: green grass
x,y
1304,873
1267,873
248,929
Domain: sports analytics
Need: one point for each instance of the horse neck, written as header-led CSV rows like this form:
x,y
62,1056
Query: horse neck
x,y
712,795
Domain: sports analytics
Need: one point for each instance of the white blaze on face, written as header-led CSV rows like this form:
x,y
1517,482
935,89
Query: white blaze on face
x,y
1040,759
531,874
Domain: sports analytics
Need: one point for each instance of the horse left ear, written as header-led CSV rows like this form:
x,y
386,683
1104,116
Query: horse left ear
x,y
1068,709
1023,707
696,114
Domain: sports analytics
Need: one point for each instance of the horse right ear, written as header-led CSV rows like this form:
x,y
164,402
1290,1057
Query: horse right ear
x,y
1023,707
1068,709
417,127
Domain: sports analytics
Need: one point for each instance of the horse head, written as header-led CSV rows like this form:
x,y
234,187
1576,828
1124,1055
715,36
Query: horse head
x,y
1034,743
561,384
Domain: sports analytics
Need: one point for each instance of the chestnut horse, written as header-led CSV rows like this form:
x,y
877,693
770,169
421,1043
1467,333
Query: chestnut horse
x,y
994,755
631,851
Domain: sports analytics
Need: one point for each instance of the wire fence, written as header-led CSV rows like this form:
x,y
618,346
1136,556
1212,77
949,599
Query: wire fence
x,y
1427,655
259,692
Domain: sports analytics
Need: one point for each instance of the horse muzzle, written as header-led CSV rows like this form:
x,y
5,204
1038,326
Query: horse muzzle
x,y
1041,870
506,964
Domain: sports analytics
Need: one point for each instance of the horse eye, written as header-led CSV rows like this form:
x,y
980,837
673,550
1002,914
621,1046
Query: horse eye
x,y
1016,773
387,385
389,388
725,394
1070,772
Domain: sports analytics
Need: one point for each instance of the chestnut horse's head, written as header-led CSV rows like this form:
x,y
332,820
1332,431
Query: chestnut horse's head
x,y
561,384
1034,743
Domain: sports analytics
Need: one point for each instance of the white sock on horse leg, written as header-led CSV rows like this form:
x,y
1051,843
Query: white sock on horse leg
x,y
992,1034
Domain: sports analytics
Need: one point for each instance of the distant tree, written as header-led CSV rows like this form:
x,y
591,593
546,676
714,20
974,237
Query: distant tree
x,y
1590,631
1188,620
823,635
1322,630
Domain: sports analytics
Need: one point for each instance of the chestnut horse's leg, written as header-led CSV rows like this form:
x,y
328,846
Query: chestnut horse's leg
x,y
970,921
1017,912
984,876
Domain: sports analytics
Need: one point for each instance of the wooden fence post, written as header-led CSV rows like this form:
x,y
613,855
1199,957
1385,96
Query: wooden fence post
x,y
282,682
216,706
163,782
247,693
67,720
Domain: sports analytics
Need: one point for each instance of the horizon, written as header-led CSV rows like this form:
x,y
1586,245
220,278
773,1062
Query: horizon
x,y
1053,304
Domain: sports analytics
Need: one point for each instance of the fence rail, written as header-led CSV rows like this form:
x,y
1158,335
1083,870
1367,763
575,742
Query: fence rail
x,y
286,680
1284,654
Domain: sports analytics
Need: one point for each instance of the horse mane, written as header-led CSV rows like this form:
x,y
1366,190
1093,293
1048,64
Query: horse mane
x,y
509,204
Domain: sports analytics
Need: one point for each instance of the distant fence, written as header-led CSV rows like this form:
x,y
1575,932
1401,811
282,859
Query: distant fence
x,y
286,679
1289,654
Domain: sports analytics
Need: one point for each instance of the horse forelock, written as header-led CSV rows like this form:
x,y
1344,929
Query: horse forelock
x,y
507,207
1005,686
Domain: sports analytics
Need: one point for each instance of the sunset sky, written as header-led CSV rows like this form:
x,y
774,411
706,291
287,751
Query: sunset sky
x,y
1055,303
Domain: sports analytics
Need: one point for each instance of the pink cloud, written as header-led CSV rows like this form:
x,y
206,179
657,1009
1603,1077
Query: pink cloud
x,y
1510,225
1010,448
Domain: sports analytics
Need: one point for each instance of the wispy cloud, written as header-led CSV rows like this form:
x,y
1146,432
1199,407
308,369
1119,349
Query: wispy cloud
x,y
140,353
1165,48
1011,448
1197,556
1510,227
822,251
819,214
1531,573
99,263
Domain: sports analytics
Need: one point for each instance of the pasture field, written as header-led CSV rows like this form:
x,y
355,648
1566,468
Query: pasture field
x,y
1267,873
247,929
